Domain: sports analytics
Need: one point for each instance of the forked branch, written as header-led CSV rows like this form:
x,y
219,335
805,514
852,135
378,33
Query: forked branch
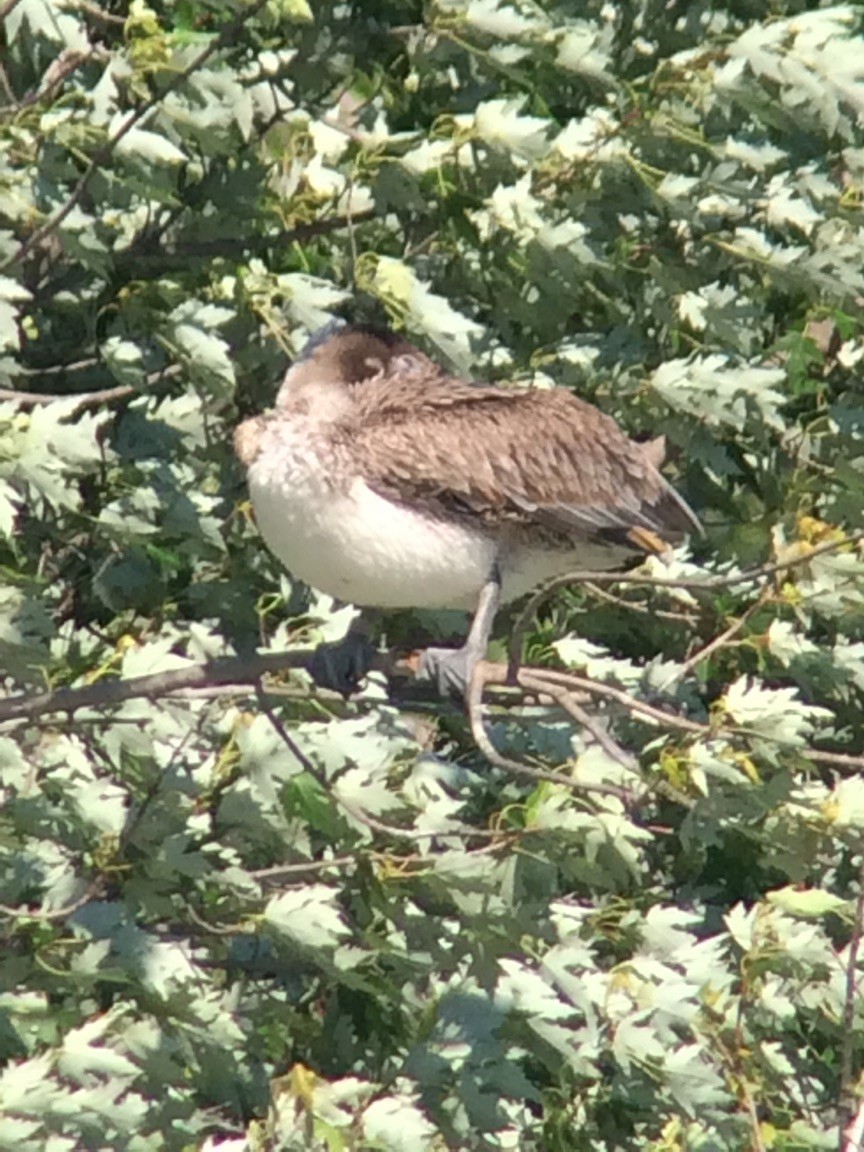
x,y
508,683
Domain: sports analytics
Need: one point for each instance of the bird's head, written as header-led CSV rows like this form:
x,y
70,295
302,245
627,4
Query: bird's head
x,y
341,355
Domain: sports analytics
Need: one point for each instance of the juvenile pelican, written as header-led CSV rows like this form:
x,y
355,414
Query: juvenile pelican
x,y
383,480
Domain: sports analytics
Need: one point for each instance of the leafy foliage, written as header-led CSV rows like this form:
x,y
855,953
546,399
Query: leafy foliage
x,y
244,920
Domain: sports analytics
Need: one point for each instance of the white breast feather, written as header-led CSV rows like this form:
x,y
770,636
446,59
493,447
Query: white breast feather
x,y
353,544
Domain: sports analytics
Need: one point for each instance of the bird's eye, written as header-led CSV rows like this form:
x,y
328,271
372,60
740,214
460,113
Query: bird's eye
x,y
374,364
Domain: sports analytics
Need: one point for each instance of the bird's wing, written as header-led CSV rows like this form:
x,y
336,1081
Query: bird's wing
x,y
513,457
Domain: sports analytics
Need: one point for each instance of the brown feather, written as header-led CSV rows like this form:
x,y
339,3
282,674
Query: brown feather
x,y
515,461
510,457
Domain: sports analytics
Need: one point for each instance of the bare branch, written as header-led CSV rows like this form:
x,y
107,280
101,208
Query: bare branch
x,y
640,606
852,1137
701,584
661,716
485,674
277,871
416,859
89,399
718,642
83,399
757,1143
62,369
846,760
8,7
92,891
353,810
846,1104
92,10
182,251
631,703
568,703
239,673
108,693
64,65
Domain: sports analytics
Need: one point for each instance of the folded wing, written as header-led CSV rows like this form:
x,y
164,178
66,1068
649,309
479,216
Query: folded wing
x,y
534,458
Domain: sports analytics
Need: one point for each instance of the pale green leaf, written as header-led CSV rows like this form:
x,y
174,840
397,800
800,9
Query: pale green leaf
x,y
147,146
775,713
308,916
809,903
397,1124
501,124
719,391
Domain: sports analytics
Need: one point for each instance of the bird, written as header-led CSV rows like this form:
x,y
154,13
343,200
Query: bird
x,y
386,481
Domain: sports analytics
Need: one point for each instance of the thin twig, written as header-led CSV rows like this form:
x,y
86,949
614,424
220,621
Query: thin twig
x,y
640,606
7,89
8,7
138,811
846,1102
93,890
90,399
93,10
550,683
714,645
566,701
62,369
631,703
353,810
486,673
82,399
277,871
58,70
147,264
758,1144
415,859
697,584
682,724
852,1138
198,919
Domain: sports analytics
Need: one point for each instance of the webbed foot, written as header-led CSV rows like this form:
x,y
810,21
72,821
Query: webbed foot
x,y
450,669
341,665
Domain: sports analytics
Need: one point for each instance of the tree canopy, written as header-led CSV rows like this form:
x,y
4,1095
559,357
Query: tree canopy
x,y
622,908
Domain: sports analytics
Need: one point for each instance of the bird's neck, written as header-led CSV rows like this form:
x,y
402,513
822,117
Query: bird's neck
x,y
319,401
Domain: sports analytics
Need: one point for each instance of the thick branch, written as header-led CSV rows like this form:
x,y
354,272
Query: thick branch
x,y
242,672
107,693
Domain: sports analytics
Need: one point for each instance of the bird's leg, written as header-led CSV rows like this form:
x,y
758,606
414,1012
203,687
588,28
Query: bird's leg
x,y
451,668
340,665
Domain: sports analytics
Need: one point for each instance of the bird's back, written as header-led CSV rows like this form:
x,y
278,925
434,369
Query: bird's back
x,y
538,460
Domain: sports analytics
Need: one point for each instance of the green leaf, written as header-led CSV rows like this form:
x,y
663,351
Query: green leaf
x,y
810,904
125,360
718,391
149,146
776,713
500,124
309,916
398,1125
